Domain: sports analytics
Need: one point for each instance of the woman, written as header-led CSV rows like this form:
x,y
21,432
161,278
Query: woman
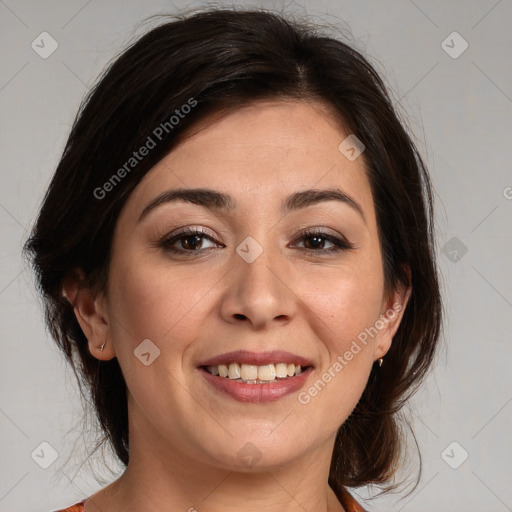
x,y
236,256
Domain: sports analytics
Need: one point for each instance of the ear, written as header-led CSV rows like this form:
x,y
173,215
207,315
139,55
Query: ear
x,y
91,313
392,312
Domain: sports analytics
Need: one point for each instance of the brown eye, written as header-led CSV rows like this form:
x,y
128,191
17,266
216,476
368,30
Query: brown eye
x,y
315,242
191,242
187,241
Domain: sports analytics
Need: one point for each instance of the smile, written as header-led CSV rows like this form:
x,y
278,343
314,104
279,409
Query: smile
x,y
252,374
255,377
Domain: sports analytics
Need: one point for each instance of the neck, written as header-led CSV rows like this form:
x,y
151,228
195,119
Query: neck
x,y
161,478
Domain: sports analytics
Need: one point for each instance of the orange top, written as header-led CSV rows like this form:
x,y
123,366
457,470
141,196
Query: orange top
x,y
348,502
77,507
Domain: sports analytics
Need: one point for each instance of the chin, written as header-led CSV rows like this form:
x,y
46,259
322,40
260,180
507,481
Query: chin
x,y
253,453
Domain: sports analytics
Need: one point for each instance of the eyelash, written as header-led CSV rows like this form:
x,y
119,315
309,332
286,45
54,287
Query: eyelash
x,y
340,244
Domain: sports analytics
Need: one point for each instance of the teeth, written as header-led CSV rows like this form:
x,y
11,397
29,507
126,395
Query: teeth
x,y
234,371
252,374
248,372
267,372
214,370
281,370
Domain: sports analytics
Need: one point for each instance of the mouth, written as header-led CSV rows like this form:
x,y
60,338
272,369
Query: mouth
x,y
256,377
254,374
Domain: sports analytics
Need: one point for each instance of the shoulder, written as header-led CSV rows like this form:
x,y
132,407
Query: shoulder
x,y
77,507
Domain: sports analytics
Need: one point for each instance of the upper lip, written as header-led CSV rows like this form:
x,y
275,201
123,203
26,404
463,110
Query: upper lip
x,y
257,358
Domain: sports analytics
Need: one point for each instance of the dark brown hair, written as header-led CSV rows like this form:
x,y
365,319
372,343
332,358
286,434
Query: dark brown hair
x,y
223,59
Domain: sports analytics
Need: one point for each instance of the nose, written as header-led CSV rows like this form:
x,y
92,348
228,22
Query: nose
x,y
259,293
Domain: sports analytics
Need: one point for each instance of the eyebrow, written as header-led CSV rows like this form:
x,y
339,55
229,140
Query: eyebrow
x,y
215,200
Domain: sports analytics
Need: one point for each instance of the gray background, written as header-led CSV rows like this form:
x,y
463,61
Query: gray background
x,y
459,110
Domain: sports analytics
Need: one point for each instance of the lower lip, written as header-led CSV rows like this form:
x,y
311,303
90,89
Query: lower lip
x,y
257,393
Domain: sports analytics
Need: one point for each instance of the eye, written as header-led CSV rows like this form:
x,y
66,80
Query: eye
x,y
314,241
190,240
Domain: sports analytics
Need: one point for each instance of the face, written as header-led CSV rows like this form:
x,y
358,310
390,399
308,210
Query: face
x,y
251,281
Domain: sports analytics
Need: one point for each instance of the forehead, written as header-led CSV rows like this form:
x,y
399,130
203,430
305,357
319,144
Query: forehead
x,y
261,153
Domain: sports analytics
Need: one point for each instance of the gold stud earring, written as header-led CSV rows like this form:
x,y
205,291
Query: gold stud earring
x,y
101,347
381,361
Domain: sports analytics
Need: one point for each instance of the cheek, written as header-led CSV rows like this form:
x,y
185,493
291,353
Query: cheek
x,y
156,302
342,306
345,301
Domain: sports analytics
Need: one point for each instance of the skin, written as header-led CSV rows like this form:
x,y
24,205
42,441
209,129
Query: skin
x,y
184,435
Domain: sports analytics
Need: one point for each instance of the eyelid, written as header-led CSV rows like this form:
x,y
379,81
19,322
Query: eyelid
x,y
193,230
320,230
332,236
339,241
190,231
